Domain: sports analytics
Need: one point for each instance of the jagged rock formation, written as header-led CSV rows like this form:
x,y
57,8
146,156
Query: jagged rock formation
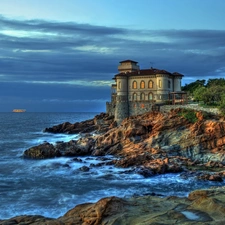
x,y
151,143
100,123
168,140
201,207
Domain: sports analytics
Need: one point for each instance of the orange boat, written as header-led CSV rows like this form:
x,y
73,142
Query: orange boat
x,y
19,110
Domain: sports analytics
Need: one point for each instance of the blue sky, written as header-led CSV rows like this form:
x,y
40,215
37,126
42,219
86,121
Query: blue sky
x,y
59,55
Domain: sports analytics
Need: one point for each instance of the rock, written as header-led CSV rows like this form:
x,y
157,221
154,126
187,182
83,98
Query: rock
x,y
71,148
77,160
84,168
210,177
201,207
42,151
26,219
167,135
74,148
144,172
160,142
100,123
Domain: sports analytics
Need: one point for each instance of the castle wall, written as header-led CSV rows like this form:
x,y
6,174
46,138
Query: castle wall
x,y
110,108
122,108
136,108
177,84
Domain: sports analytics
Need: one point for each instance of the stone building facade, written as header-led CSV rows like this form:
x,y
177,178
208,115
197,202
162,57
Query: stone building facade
x,y
137,90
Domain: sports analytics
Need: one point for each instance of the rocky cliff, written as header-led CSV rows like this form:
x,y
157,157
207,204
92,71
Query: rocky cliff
x,y
151,143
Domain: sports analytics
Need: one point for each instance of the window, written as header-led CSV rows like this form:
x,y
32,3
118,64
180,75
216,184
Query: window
x,y
134,85
135,97
160,83
150,96
150,84
169,84
119,85
142,84
142,97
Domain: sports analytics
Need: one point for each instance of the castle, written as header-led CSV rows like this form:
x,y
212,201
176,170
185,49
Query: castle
x,y
137,91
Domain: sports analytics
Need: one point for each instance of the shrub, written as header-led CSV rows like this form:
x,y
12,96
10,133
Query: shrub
x,y
188,114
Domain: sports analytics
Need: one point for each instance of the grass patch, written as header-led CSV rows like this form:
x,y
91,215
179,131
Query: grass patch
x,y
188,114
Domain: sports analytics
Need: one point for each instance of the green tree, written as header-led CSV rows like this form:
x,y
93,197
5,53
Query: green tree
x,y
213,95
199,93
216,82
190,88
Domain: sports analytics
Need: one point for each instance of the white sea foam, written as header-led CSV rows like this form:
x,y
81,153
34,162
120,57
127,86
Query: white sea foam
x,y
40,138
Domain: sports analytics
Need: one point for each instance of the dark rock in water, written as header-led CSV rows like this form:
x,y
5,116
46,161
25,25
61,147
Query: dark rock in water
x,y
97,165
145,172
42,151
211,177
72,148
100,123
84,169
77,160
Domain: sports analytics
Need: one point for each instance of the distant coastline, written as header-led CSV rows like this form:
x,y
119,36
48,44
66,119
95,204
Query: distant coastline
x,y
19,110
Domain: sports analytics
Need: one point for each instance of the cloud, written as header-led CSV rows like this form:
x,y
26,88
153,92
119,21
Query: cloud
x,y
67,57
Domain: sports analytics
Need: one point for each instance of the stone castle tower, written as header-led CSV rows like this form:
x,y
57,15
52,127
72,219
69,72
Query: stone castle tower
x,y
122,102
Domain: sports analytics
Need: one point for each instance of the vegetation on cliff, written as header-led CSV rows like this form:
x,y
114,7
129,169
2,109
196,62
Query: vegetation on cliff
x,y
211,93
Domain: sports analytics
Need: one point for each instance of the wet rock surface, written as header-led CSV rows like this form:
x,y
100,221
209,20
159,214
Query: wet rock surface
x,y
200,207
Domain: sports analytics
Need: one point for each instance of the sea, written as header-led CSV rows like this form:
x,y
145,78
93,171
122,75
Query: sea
x,y
51,187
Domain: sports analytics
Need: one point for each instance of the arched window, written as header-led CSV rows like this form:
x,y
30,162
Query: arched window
x,y
150,84
135,97
134,85
142,85
142,97
150,96
160,83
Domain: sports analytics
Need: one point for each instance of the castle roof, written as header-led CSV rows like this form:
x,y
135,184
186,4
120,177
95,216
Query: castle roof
x,y
177,74
151,71
128,60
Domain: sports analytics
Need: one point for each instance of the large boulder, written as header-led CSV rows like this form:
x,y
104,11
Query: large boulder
x,y
42,151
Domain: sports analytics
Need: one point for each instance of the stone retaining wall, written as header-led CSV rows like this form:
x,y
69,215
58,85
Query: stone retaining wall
x,y
167,108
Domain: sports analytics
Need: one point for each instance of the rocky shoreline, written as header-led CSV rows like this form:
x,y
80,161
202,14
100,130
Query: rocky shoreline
x,y
149,144
201,207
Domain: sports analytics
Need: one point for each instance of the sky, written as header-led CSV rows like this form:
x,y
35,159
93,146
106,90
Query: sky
x,y
61,55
